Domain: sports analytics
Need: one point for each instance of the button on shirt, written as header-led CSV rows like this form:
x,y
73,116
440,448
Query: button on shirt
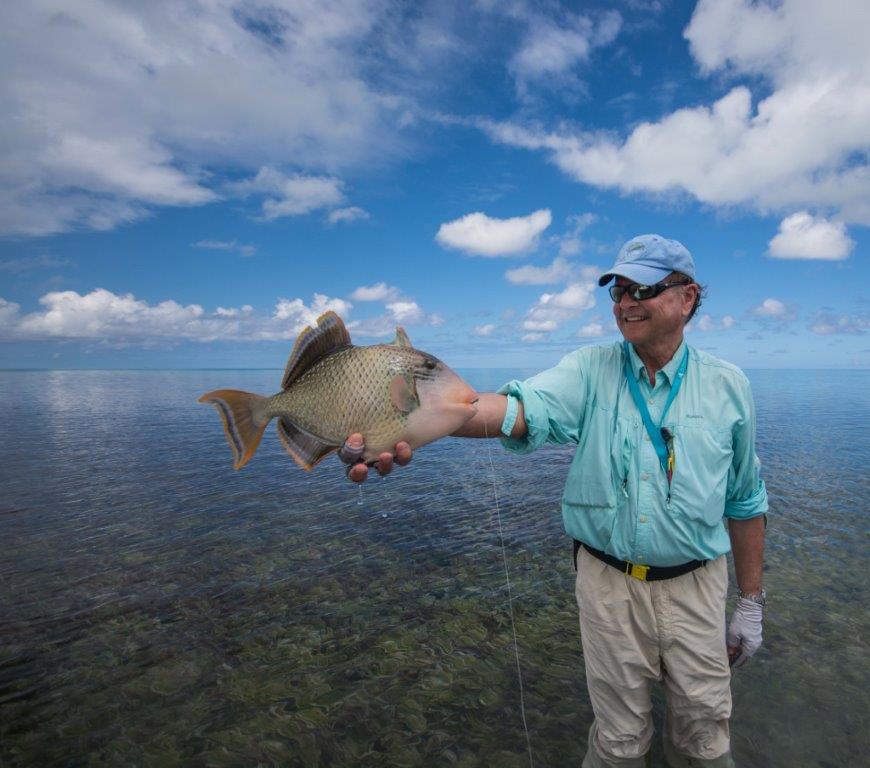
x,y
616,493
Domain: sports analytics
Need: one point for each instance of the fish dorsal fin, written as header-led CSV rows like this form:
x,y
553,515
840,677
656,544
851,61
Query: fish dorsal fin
x,y
401,339
314,343
306,449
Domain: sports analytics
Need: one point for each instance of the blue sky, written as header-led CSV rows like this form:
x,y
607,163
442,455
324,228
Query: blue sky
x,y
188,184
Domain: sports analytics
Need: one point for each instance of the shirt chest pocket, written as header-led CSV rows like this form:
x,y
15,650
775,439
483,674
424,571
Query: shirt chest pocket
x,y
600,466
700,482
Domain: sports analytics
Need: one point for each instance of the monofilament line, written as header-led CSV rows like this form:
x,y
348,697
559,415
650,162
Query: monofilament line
x,y
507,579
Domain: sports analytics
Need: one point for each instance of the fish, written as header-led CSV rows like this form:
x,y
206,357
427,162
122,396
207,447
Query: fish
x,y
332,388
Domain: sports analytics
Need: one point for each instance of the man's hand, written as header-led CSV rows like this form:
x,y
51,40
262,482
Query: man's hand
x,y
352,451
744,631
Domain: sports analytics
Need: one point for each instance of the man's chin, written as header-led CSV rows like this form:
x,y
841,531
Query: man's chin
x,y
633,332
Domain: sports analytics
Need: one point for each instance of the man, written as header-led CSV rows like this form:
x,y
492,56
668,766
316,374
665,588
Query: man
x,y
665,439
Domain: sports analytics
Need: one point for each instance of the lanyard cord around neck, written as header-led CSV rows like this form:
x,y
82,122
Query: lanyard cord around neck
x,y
655,432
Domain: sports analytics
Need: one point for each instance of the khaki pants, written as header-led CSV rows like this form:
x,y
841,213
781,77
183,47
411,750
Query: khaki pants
x,y
635,633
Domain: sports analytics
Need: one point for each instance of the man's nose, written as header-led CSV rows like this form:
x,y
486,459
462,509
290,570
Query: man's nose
x,y
627,300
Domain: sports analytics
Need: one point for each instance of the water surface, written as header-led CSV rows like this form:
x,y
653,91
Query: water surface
x,y
158,608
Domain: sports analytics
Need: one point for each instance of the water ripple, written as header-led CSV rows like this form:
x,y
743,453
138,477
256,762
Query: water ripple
x,y
159,608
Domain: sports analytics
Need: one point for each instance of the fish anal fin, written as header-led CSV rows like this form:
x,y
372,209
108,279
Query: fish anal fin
x,y
313,343
244,422
401,339
306,449
403,394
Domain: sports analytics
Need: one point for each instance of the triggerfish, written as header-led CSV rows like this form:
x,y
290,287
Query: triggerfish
x,y
332,389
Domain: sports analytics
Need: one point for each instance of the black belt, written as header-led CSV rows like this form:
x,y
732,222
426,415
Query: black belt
x,y
641,572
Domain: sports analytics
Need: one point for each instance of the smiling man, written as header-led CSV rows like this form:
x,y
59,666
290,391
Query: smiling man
x,y
664,482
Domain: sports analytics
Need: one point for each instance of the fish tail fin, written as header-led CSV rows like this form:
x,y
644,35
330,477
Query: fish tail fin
x,y
244,420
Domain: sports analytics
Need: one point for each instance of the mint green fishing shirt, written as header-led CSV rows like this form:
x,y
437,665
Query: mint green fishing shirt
x,y
616,494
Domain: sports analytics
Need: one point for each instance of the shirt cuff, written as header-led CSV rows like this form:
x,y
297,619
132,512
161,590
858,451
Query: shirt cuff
x,y
510,416
534,412
754,506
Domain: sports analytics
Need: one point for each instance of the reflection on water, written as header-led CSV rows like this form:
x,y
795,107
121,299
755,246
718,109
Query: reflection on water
x,y
158,608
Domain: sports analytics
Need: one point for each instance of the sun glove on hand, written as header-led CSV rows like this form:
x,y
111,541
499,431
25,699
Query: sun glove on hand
x,y
744,630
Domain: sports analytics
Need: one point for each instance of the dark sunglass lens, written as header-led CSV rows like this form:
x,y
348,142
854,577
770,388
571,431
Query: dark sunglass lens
x,y
616,292
643,292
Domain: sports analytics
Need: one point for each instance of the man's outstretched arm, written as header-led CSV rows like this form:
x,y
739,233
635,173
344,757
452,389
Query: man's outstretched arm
x,y
486,422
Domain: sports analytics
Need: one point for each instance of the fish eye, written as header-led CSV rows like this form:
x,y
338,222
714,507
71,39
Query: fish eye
x,y
430,364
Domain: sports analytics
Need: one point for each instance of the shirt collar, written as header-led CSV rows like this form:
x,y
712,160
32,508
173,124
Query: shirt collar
x,y
670,369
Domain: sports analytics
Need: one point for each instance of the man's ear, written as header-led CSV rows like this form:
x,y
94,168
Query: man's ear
x,y
690,295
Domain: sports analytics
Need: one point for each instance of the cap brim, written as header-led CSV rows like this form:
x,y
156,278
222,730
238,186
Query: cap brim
x,y
637,273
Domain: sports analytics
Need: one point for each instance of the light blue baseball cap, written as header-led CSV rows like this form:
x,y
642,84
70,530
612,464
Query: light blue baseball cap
x,y
649,259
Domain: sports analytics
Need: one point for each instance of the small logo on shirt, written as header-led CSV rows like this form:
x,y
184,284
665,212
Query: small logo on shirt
x,y
694,416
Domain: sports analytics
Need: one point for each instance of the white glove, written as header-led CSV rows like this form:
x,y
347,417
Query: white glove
x,y
744,631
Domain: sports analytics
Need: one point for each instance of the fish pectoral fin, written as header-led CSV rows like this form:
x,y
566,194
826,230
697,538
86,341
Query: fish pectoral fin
x,y
306,449
403,394
312,344
401,339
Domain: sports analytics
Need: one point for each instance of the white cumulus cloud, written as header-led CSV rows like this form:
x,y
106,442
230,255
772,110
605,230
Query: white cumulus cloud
x,y
554,46
405,311
826,324
771,308
594,330
292,195
707,323
233,311
802,143
103,314
347,215
106,316
113,108
398,310
484,330
8,316
480,235
376,292
299,314
557,272
803,236
551,310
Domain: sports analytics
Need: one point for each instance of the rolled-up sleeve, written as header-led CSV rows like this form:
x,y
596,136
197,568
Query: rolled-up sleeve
x,y
747,495
553,403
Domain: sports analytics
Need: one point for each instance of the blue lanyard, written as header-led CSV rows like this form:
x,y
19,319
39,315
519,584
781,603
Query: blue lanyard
x,y
655,432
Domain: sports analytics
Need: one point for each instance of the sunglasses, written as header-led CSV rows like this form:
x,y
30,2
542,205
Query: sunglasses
x,y
641,292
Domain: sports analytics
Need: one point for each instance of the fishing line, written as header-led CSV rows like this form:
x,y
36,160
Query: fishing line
x,y
507,579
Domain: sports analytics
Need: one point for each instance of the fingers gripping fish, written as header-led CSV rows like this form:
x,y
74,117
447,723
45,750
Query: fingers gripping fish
x,y
331,389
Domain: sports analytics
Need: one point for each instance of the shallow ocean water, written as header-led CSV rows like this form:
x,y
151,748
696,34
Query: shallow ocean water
x,y
158,608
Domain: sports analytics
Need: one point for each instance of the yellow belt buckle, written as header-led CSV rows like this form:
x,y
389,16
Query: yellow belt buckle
x,y
637,571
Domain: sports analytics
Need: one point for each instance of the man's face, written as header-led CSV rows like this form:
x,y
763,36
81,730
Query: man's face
x,y
658,320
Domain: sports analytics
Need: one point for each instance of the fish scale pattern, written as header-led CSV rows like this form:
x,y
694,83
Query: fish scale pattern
x,y
349,391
